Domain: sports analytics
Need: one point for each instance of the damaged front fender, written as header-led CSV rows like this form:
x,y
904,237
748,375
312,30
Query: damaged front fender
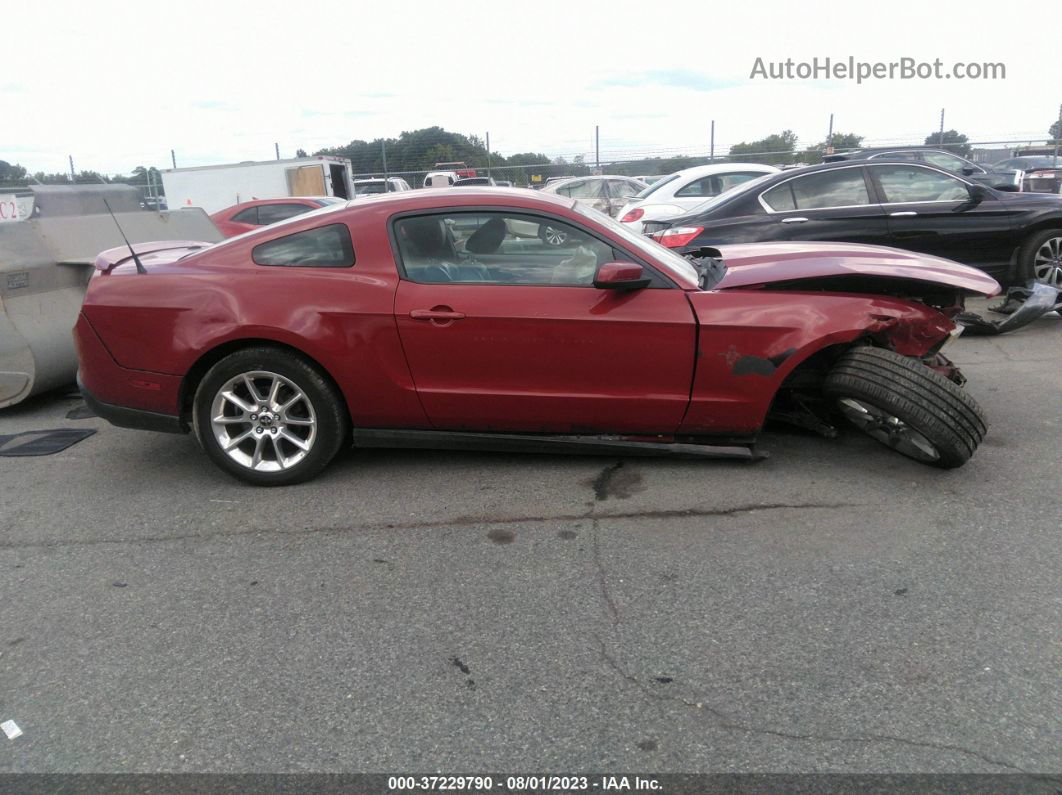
x,y
749,341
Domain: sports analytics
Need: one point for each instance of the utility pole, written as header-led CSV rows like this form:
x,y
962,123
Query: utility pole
x,y
597,149
173,158
1058,135
940,139
488,153
387,180
73,176
711,146
277,147
829,138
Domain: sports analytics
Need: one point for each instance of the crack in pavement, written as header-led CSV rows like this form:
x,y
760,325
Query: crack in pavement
x,y
461,521
722,719
728,723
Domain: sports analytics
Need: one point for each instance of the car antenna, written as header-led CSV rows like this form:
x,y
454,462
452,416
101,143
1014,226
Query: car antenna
x,y
139,265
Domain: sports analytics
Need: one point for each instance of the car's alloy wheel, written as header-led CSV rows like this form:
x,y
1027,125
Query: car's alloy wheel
x,y
1047,262
906,406
889,430
263,421
269,417
554,236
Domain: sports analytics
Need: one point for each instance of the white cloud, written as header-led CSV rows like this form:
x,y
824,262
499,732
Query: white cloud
x,y
117,85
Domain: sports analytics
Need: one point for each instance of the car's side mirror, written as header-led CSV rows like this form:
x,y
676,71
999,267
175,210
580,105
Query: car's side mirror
x,y
620,276
968,171
978,193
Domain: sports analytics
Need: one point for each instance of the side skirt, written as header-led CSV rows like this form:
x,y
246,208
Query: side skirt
x,y
533,443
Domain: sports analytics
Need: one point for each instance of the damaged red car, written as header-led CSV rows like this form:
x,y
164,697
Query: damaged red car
x,y
444,319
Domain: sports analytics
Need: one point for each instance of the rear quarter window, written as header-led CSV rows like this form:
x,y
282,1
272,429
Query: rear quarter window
x,y
324,247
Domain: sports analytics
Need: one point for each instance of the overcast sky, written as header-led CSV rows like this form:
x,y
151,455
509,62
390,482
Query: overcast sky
x,y
118,84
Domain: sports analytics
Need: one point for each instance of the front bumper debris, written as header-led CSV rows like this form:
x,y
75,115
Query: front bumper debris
x,y
1033,301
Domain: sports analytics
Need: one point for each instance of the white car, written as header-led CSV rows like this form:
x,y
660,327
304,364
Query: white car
x,y
440,179
364,187
680,192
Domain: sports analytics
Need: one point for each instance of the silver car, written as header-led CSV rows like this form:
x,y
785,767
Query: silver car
x,y
607,193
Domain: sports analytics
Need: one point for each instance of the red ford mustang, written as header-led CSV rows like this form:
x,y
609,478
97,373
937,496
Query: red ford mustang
x,y
444,319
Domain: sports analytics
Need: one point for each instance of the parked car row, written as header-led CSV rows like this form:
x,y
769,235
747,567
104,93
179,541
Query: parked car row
x,y
884,201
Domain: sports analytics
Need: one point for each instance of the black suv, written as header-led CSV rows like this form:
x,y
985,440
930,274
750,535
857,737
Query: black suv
x,y
900,203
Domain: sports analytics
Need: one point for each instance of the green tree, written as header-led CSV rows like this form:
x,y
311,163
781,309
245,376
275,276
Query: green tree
x,y
1056,130
840,142
11,172
953,141
775,149
300,153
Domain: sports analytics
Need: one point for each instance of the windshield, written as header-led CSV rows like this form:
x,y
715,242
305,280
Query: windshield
x,y
727,195
1027,163
655,186
677,266
364,188
324,201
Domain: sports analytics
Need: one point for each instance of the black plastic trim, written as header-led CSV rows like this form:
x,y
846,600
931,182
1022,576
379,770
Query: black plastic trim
x,y
125,417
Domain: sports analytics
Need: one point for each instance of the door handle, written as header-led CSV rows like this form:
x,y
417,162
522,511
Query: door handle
x,y
794,220
906,214
436,314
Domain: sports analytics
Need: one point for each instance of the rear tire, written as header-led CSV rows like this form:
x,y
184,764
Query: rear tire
x,y
906,406
268,417
1040,258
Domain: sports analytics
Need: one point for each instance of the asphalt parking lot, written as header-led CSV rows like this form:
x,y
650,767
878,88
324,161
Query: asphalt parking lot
x,y
834,608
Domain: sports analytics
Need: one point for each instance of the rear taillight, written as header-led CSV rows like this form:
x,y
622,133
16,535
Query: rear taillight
x,y
632,216
677,236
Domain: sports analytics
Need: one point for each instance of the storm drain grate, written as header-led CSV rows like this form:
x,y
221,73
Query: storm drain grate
x,y
42,442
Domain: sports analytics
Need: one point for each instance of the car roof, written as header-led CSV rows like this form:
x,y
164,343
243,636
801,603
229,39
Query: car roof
x,y
281,200
722,168
566,180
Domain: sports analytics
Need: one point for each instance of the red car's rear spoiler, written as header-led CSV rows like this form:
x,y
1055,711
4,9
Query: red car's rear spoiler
x,y
112,257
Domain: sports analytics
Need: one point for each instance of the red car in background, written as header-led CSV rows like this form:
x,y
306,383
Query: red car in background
x,y
247,216
440,318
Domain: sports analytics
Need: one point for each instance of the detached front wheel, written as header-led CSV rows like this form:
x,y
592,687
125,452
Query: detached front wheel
x,y
905,405
268,417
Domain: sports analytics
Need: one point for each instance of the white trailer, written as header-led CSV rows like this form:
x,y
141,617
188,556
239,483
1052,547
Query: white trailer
x,y
216,187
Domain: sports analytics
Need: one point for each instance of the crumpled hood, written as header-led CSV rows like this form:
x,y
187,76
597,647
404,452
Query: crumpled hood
x,y
763,263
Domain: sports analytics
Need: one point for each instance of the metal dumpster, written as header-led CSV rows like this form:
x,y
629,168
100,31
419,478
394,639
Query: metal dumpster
x,y
45,264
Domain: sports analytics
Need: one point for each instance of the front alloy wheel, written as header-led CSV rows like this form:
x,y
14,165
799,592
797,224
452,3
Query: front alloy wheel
x,y
906,406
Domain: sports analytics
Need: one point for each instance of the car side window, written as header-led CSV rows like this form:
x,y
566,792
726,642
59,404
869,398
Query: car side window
x,y
587,189
248,216
324,247
271,213
621,189
780,197
908,155
844,187
698,188
903,184
945,161
724,182
500,248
